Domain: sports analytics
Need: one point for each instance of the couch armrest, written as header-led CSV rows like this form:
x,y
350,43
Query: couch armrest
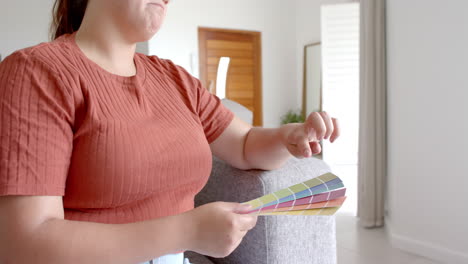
x,y
275,239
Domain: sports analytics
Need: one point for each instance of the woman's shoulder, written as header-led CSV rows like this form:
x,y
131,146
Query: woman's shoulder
x,y
169,69
165,65
38,68
173,75
49,54
157,63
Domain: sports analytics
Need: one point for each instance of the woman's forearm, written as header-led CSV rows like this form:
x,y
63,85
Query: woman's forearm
x,y
265,149
62,241
246,147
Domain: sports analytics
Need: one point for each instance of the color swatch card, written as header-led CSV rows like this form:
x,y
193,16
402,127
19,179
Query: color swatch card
x,y
322,195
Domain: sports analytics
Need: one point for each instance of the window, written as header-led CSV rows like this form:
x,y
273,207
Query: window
x,y
340,52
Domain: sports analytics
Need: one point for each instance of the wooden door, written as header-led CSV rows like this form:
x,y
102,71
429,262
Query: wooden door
x,y
244,82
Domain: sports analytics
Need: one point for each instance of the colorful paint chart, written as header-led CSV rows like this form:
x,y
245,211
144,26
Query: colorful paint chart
x,y
322,195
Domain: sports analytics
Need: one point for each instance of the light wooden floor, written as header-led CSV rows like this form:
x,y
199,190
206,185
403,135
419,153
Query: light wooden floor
x,y
358,245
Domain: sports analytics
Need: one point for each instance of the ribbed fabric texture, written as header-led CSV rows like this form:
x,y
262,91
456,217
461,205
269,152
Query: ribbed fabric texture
x,y
118,149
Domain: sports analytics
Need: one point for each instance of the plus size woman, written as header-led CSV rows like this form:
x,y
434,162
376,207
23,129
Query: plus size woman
x,y
103,149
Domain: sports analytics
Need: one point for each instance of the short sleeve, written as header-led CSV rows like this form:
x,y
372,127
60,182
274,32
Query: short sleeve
x,y
36,135
213,115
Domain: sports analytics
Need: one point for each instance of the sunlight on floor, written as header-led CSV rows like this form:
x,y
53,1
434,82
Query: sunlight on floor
x,y
368,246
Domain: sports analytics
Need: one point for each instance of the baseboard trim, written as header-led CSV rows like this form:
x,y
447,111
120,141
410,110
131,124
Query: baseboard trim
x,y
428,250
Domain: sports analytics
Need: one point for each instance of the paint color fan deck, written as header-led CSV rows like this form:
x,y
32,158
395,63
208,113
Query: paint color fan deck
x,y
322,195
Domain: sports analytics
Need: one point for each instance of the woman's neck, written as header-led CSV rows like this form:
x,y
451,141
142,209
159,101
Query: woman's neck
x,y
103,43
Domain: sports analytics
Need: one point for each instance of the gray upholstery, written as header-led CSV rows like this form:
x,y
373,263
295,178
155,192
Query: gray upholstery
x,y
275,239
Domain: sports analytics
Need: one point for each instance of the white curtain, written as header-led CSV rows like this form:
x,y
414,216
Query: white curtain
x,y
372,160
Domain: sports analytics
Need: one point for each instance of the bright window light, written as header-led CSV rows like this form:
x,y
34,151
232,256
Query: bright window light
x,y
340,52
221,78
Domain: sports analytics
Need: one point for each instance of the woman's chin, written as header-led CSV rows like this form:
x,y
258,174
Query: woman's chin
x,y
146,34
152,28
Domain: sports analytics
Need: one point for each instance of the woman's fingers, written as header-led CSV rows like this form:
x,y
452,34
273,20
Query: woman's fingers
x,y
328,123
324,126
315,147
303,147
304,140
304,150
336,130
315,123
300,151
299,143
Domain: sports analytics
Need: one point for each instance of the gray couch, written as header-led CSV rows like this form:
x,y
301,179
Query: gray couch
x,y
275,239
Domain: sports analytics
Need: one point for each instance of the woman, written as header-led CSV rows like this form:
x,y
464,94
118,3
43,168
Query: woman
x,y
102,150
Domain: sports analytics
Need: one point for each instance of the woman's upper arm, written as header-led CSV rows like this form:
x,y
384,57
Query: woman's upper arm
x,y
36,134
229,146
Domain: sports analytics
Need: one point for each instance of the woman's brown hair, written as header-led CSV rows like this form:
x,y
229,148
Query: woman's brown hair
x,y
67,16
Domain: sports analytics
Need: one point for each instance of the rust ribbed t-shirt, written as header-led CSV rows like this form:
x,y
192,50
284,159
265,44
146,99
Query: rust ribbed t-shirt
x,y
118,149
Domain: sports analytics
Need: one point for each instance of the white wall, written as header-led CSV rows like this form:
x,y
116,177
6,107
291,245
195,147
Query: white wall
x,y
178,39
428,127
23,24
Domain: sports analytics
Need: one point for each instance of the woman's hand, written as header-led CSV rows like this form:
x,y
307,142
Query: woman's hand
x,y
303,140
218,228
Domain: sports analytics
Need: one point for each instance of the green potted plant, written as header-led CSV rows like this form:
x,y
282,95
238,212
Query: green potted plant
x,y
292,117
